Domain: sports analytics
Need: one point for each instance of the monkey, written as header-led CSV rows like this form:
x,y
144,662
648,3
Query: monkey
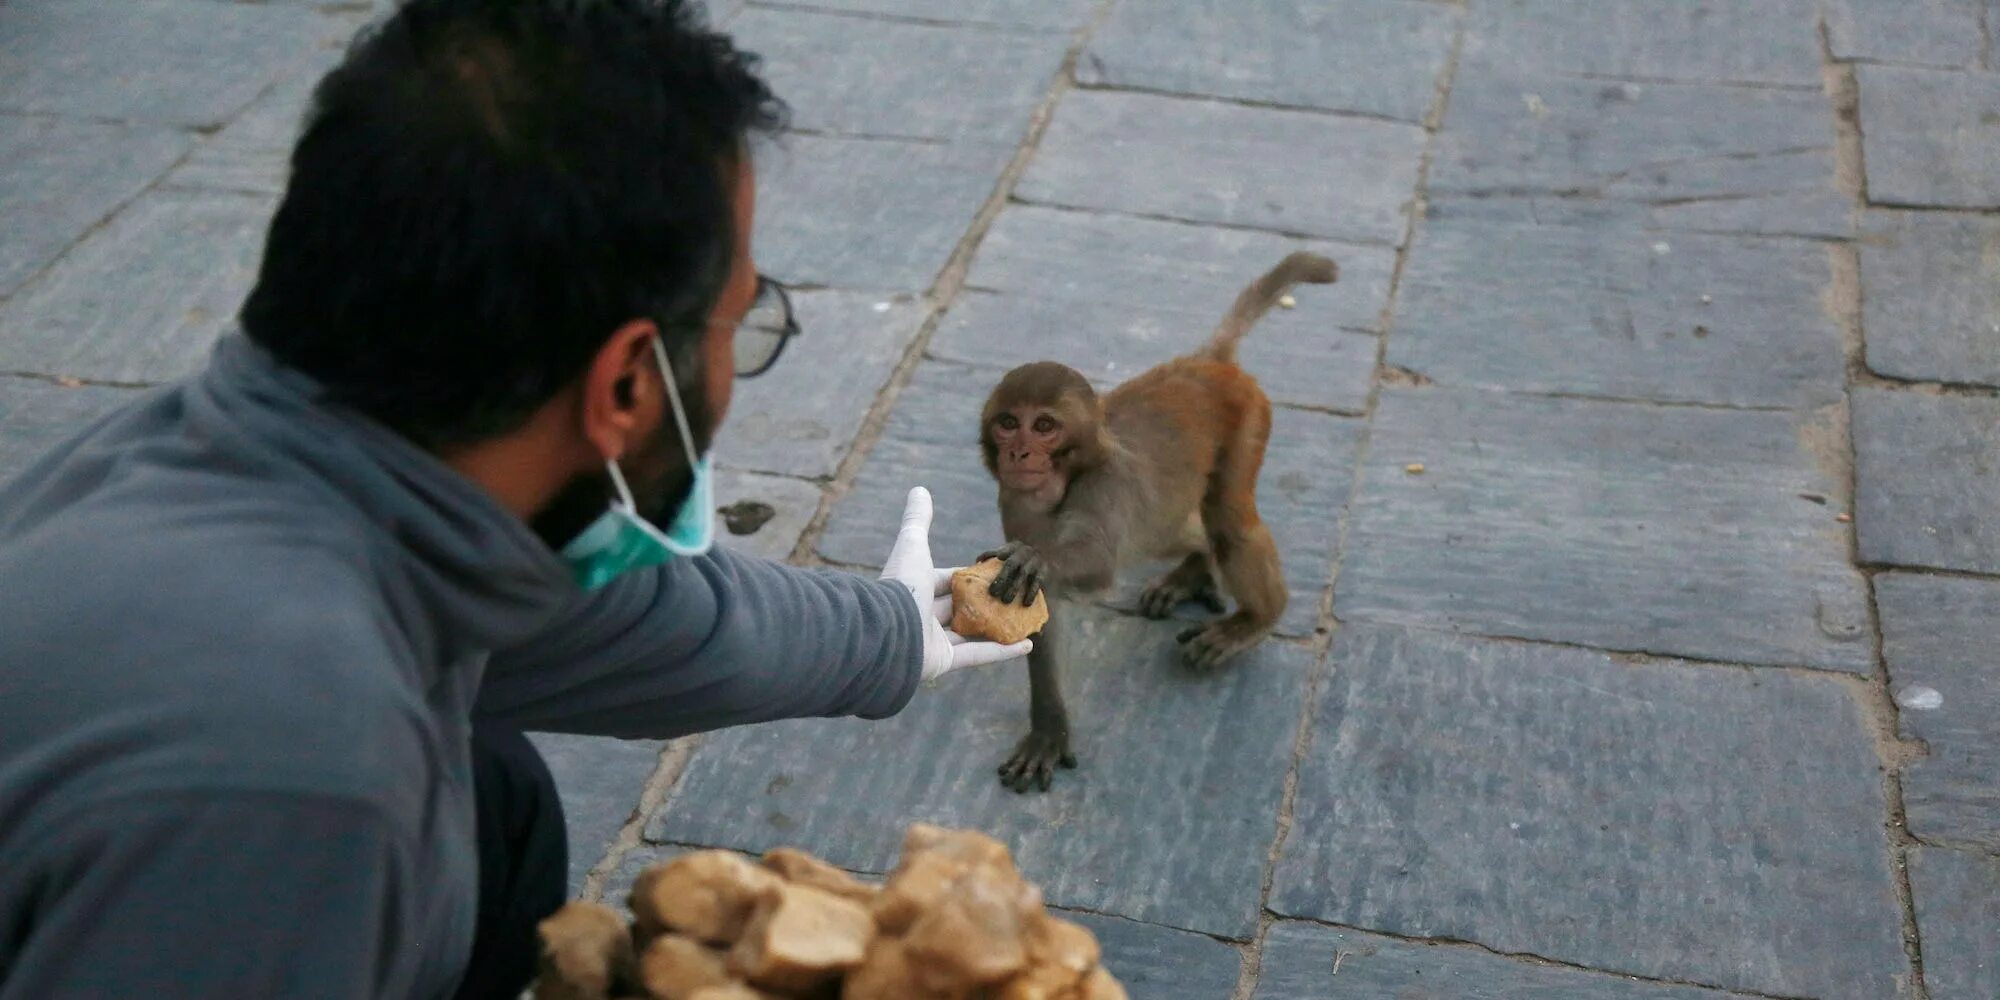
x,y
1162,467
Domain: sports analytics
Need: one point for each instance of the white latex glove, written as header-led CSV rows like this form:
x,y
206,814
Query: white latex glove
x,y
910,565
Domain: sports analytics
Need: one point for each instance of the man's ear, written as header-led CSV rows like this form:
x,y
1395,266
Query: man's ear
x,y
621,402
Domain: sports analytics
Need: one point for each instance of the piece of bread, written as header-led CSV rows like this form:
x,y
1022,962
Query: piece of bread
x,y
798,866
708,895
586,953
801,938
977,614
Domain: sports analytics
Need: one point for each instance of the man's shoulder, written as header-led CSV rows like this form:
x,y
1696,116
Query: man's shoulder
x,y
238,631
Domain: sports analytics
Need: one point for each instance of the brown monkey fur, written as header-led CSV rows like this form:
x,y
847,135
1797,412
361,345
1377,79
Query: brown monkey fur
x,y
1163,467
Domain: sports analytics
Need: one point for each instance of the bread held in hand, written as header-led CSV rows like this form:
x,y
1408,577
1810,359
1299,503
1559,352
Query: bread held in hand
x,y
979,615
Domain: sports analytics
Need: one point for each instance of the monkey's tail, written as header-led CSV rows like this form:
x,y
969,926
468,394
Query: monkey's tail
x,y
1256,300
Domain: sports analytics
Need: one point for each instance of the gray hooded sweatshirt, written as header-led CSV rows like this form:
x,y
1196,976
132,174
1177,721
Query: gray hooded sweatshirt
x,y
242,637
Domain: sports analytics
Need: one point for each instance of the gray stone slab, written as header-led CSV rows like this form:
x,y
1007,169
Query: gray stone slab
x,y
930,440
599,781
1658,818
1110,295
1310,962
1610,311
868,214
58,178
1939,636
792,505
1671,530
1930,304
144,298
1944,33
1299,361
180,62
799,418
1696,157
1930,137
1173,833
1060,15
1926,471
1957,897
1376,57
253,153
36,416
1202,161
870,77
1763,42
1153,962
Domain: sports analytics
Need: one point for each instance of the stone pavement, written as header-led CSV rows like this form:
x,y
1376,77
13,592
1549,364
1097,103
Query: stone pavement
x,y
1670,675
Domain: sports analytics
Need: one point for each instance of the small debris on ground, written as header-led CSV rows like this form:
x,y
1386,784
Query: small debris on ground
x,y
1287,302
1414,468
744,517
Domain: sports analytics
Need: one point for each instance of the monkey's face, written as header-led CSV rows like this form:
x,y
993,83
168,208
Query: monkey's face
x,y
1039,430
1029,444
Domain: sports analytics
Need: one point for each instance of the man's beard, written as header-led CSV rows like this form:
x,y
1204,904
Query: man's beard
x,y
657,473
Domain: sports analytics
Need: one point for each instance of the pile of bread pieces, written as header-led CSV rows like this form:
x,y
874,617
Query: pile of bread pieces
x,y
955,921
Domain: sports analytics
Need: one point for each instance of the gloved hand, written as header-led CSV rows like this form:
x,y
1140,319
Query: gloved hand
x,y
910,565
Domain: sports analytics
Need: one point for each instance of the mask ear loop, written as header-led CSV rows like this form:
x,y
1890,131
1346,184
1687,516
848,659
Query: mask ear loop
x,y
674,397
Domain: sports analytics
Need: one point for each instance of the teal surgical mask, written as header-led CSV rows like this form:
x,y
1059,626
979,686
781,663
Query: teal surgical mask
x,y
621,540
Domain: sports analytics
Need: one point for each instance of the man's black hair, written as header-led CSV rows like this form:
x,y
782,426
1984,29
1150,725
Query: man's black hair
x,y
484,190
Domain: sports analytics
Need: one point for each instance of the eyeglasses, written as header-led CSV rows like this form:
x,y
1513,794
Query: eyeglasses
x,y
765,329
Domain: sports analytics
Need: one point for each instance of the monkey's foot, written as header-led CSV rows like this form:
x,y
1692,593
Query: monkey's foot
x,y
1206,647
1035,761
1179,586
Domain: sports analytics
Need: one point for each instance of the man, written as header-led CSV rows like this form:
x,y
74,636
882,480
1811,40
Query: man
x,y
268,638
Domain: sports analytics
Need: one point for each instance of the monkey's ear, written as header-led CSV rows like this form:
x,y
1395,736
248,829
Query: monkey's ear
x,y
1084,440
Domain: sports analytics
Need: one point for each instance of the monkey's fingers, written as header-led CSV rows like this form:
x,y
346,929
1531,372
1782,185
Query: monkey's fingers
x,y
1007,582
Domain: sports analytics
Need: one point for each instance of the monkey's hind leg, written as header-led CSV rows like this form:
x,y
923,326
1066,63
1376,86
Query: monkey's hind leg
x,y
1192,580
1242,548
1046,747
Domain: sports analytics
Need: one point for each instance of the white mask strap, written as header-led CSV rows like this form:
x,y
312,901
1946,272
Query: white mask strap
x,y
674,398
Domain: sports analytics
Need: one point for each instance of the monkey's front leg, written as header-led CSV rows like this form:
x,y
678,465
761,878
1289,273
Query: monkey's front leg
x,y
1046,747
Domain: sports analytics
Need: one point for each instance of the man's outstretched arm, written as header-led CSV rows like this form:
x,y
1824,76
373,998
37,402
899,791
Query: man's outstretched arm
x,y
720,640
724,640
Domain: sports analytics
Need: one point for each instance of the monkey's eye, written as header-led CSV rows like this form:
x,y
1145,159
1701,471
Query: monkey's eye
x,y
1044,425
1007,422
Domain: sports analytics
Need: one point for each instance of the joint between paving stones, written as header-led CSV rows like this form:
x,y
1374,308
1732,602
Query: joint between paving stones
x,y
1110,213
1242,102
1530,958
889,137
1844,304
895,18
1854,681
944,291
1322,668
673,760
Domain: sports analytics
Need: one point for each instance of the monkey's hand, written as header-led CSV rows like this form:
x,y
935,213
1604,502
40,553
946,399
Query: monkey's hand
x,y
1023,573
1035,760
